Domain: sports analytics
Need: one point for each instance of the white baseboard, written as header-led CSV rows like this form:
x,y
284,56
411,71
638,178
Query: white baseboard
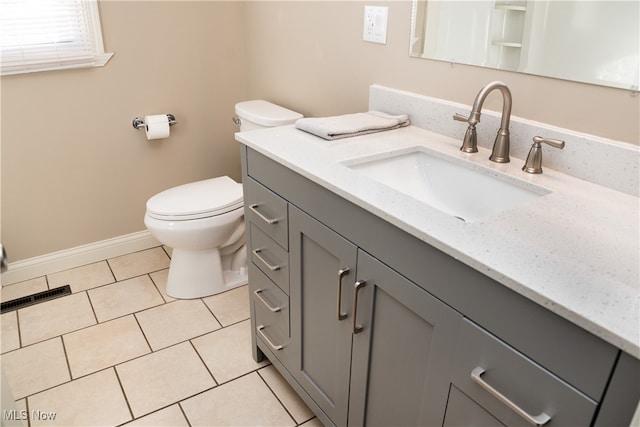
x,y
75,257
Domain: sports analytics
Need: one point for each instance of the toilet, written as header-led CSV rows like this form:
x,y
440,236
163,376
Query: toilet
x,y
203,221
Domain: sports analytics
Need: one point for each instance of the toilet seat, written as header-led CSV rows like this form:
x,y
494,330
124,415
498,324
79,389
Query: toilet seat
x,y
196,200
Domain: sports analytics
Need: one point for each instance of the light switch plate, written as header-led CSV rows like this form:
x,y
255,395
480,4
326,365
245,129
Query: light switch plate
x,y
375,24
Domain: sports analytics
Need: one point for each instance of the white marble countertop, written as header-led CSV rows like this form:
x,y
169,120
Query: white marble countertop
x,y
575,251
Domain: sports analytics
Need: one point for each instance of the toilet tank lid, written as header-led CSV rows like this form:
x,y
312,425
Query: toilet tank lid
x,y
265,113
197,199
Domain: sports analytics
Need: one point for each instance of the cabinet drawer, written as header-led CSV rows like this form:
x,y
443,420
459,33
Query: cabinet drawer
x,y
511,386
271,311
462,411
269,257
271,339
269,301
267,210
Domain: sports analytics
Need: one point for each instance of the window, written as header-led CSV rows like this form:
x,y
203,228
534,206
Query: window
x,y
41,35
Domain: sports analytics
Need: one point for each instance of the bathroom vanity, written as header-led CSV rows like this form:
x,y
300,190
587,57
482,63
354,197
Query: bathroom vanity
x,y
381,310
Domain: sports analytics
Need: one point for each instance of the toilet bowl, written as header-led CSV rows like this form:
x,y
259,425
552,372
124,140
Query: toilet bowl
x,y
203,221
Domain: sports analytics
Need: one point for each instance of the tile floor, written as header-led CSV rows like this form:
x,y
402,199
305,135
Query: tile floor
x,y
119,351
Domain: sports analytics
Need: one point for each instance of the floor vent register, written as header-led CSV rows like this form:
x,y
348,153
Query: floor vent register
x,y
36,298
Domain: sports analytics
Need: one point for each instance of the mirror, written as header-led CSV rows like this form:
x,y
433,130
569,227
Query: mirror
x,y
594,42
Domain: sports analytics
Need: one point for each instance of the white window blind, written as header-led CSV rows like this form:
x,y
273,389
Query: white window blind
x,y
41,35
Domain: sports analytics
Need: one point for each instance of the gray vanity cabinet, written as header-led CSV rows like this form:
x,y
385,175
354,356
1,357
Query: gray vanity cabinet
x,y
372,326
367,340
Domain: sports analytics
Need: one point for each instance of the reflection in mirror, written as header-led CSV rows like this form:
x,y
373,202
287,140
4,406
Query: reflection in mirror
x,y
594,42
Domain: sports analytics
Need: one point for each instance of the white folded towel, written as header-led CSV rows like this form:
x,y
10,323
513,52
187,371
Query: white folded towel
x,y
345,126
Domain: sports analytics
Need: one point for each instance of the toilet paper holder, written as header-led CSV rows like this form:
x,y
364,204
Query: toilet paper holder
x,y
138,122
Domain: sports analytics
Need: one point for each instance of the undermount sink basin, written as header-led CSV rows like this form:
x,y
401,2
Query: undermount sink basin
x,y
459,188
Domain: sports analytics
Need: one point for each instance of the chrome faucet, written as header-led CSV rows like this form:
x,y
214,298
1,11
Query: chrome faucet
x,y
500,152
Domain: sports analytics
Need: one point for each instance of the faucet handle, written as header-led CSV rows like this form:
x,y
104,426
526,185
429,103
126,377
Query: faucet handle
x,y
556,143
469,143
534,159
459,117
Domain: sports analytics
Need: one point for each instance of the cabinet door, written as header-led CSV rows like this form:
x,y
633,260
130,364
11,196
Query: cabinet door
x,y
623,394
402,357
319,335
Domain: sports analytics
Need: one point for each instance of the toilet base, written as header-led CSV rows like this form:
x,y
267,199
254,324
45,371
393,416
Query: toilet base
x,y
197,274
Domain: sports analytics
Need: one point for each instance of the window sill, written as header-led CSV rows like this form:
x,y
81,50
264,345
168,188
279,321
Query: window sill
x,y
99,60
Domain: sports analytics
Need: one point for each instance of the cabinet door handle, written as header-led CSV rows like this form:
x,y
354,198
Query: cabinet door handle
x,y
273,309
266,338
269,221
341,273
355,327
256,252
538,420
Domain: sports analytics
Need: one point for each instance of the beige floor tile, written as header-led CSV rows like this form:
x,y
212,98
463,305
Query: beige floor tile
x,y
22,289
56,317
162,378
83,278
312,423
106,344
230,307
175,322
246,401
126,297
10,339
227,352
160,279
289,398
35,368
94,400
167,417
138,263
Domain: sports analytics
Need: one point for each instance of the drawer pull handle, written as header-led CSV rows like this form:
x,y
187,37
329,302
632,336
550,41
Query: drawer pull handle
x,y
539,420
341,273
269,221
257,293
355,327
256,252
266,338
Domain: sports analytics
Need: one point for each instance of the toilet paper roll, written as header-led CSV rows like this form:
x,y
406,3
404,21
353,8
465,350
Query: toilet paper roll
x,y
156,126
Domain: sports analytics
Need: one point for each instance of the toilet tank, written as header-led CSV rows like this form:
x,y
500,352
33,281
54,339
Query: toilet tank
x,y
260,114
